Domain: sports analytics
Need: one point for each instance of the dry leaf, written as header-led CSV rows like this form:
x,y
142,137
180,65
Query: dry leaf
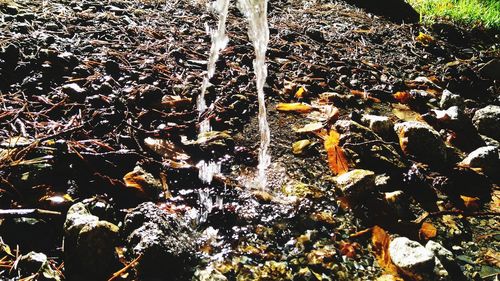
x,y
336,156
364,95
380,243
402,97
300,93
311,127
294,107
471,203
349,249
427,231
424,38
404,113
299,146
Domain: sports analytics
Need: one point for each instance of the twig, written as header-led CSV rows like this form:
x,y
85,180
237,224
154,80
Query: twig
x,y
124,269
60,133
426,215
16,213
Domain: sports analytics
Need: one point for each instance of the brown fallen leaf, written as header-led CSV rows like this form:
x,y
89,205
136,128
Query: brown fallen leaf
x,y
308,128
336,156
471,203
380,243
427,231
349,249
404,113
389,277
424,38
299,146
402,97
364,95
298,107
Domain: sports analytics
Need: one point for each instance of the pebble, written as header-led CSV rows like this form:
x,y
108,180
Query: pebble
x,y
422,142
487,121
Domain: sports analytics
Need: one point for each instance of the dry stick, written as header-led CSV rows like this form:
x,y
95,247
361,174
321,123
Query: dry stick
x,y
454,213
63,132
124,269
16,213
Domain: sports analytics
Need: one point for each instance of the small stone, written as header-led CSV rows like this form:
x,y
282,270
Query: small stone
x,y
399,202
486,158
381,125
491,70
411,257
487,121
356,182
449,99
74,91
422,142
444,255
366,149
37,263
89,244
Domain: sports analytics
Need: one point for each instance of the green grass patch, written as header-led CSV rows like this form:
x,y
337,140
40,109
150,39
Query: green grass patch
x,y
483,12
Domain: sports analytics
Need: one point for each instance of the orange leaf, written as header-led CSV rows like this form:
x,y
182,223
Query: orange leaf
x,y
471,203
294,107
402,97
427,231
349,249
300,93
380,243
364,95
336,156
424,38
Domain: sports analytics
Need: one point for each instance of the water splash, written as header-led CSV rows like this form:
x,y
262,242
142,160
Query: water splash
x,y
258,32
219,42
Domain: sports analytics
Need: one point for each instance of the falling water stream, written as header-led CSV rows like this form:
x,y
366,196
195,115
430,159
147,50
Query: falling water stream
x,y
258,32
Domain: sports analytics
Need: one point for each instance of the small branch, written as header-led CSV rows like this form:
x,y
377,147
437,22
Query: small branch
x,y
426,215
17,213
55,135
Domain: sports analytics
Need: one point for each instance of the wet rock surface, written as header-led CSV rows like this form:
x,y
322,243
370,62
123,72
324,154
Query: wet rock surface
x,y
99,101
163,241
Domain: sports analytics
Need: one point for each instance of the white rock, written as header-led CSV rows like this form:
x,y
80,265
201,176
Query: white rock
x,y
411,257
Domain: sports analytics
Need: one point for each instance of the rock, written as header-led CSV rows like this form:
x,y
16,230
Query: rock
x,y
212,143
450,99
422,142
356,182
491,70
366,149
139,179
89,245
487,121
399,202
486,158
37,263
381,125
410,257
452,117
74,92
443,254
166,243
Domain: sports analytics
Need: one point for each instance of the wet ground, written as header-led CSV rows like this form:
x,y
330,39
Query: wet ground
x,y
91,90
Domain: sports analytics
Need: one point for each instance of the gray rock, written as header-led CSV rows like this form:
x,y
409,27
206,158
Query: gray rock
x,y
366,149
166,243
422,142
398,200
89,245
487,121
381,125
356,182
443,254
452,117
410,257
449,99
37,263
491,70
486,158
